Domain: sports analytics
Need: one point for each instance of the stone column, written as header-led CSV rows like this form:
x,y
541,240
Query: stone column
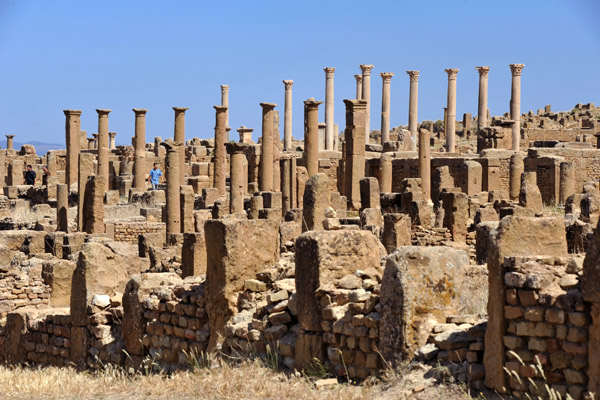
x,y
91,143
225,103
85,168
179,136
386,78
567,182
366,95
329,103
238,156
265,175
172,162
516,169
93,205
9,142
413,104
62,208
515,104
311,139
111,142
103,146
483,97
286,185
72,132
425,163
139,157
385,173
451,111
358,86
245,134
95,135
355,133
220,155
287,115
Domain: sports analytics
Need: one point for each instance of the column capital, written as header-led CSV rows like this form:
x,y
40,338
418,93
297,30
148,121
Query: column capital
x,y
72,112
516,69
386,76
91,140
358,78
221,108
139,111
243,129
224,89
9,136
452,72
288,83
180,109
237,147
483,71
366,69
355,104
312,103
329,72
172,146
268,106
102,111
112,134
95,135
414,75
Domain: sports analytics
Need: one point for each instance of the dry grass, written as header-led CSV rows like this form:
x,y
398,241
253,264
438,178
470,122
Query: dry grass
x,y
245,381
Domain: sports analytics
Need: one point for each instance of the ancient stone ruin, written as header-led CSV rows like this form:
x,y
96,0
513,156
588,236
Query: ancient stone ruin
x,y
471,243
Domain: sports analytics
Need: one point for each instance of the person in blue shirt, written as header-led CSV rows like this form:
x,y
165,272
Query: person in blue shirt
x,y
154,176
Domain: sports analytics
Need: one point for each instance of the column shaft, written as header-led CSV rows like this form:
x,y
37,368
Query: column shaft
x,y
103,146
311,140
358,86
425,163
62,208
172,162
139,160
386,78
72,133
515,104
220,156
265,176
179,136
329,103
366,95
413,104
451,111
287,117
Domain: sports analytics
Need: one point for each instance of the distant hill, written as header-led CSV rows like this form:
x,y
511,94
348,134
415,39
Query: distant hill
x,y
41,148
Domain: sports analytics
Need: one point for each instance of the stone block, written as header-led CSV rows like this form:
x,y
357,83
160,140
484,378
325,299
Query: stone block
x,y
325,256
396,231
193,254
232,259
419,290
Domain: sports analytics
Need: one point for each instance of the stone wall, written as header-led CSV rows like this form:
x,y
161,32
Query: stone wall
x,y
547,326
129,231
22,288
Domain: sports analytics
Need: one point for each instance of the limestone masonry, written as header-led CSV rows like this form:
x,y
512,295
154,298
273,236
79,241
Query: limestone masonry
x,y
471,243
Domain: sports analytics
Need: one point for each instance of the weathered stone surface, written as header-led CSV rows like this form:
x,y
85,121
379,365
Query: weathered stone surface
x,y
316,200
396,231
515,236
58,274
93,204
324,256
530,196
419,290
101,269
236,251
193,254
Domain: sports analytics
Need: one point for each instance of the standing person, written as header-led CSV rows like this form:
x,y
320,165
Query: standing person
x,y
29,176
154,176
45,176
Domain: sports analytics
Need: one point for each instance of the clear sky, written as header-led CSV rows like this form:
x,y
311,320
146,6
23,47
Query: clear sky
x,y
120,55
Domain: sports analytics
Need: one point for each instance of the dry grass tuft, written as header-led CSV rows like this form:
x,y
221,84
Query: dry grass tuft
x,y
248,380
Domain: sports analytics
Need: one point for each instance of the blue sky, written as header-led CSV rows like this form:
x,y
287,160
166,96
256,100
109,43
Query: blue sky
x,y
157,54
